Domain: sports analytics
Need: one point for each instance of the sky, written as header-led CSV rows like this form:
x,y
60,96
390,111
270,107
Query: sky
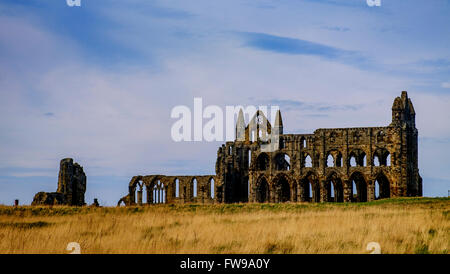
x,y
97,82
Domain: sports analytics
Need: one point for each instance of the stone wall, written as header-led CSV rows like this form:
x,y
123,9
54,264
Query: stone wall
x,y
71,186
330,165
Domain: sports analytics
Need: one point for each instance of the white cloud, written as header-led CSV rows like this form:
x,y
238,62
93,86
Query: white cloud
x,y
445,85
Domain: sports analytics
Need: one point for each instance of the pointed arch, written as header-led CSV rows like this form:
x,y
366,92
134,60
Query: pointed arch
x,y
382,186
334,188
282,161
282,189
307,160
309,188
359,184
262,161
262,190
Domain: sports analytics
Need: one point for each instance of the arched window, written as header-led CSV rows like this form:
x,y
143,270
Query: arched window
x,y
308,161
194,187
177,188
382,187
262,162
303,142
332,190
144,194
364,160
310,192
155,194
262,191
330,161
376,161
359,188
159,193
352,161
211,182
249,157
282,161
388,160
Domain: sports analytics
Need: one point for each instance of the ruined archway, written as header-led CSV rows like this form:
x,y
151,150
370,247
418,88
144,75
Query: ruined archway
x,y
262,162
357,157
262,190
359,185
382,187
334,188
282,189
383,157
158,193
309,188
282,162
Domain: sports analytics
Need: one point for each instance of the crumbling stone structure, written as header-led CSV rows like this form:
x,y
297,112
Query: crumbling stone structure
x,y
330,165
71,186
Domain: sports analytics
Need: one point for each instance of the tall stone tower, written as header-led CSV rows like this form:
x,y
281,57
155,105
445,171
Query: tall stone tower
x,y
404,120
72,182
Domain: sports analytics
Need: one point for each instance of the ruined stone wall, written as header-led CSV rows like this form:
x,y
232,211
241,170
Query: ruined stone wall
x,y
156,189
330,165
71,186
72,182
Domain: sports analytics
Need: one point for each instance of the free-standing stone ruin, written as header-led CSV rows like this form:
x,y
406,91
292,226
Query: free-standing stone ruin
x,y
71,186
330,165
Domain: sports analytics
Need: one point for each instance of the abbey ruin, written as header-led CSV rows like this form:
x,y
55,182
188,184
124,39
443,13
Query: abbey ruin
x,y
330,165
71,186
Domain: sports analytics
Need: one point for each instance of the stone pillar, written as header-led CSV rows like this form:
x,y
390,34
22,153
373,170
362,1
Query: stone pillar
x,y
139,197
300,192
132,195
371,190
149,195
323,191
293,192
347,191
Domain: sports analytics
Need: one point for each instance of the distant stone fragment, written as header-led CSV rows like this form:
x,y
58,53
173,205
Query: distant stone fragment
x,y
95,203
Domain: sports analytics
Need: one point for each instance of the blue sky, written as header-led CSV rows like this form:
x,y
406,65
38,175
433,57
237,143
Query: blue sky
x,y
97,82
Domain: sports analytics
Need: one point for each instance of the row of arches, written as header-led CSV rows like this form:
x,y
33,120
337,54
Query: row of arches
x,y
308,189
357,157
158,190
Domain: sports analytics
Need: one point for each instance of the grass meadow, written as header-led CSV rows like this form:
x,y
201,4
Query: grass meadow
x,y
404,225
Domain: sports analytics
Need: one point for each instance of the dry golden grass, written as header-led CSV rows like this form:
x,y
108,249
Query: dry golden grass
x,y
409,225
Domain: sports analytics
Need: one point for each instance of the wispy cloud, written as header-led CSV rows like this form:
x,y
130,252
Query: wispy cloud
x,y
288,105
289,45
295,46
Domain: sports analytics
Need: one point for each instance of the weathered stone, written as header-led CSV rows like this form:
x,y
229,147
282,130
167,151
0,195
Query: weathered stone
x,y
72,182
71,186
330,165
95,203
49,198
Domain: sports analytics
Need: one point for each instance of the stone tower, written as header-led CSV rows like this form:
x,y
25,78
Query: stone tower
x,y
72,182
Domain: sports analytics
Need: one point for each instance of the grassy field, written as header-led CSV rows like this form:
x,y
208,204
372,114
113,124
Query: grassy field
x,y
406,225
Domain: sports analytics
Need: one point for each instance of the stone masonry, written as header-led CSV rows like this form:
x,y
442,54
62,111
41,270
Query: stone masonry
x,y
71,186
329,165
